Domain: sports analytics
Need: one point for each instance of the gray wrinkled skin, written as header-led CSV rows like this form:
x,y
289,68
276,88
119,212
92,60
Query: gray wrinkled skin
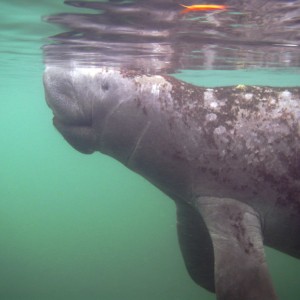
x,y
228,156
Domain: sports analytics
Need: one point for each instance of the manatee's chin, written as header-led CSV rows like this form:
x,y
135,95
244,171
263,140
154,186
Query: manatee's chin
x,y
80,136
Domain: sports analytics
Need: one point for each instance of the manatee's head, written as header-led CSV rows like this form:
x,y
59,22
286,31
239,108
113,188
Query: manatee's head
x,y
124,116
82,100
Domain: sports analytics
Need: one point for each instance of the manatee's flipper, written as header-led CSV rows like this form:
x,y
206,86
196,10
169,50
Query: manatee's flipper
x,y
240,266
196,246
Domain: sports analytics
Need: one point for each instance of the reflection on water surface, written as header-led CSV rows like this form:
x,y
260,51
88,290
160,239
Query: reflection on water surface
x,y
156,36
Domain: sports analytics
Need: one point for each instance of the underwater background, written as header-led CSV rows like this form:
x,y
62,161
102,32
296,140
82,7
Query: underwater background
x,y
76,226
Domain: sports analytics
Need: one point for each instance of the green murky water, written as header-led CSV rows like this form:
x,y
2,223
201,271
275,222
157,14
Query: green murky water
x,y
84,227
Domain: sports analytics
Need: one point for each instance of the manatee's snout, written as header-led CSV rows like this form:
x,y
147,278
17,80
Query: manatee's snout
x,y
67,98
72,108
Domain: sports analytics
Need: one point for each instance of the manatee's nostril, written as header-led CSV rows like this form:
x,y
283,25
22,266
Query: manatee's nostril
x,y
105,86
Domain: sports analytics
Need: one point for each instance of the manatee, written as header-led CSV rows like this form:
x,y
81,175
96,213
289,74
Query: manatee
x,y
227,156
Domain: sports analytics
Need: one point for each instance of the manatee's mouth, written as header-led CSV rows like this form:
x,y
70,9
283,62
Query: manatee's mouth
x,y
67,112
71,120
75,128
71,108
80,136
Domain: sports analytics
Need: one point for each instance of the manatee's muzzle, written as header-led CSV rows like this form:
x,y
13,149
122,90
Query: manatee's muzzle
x,y
63,96
72,112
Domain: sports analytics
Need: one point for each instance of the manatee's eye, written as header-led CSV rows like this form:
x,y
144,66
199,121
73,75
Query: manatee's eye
x,y
105,86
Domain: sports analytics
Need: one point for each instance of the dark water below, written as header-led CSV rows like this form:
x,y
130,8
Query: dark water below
x,y
84,227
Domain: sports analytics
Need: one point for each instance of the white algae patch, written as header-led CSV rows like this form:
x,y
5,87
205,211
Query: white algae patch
x,y
285,95
209,98
211,117
248,96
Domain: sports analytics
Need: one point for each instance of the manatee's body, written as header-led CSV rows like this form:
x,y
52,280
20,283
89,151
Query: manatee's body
x,y
228,156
